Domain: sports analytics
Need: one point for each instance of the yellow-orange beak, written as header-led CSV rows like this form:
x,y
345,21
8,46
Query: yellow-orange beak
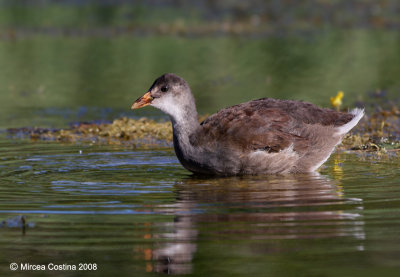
x,y
142,101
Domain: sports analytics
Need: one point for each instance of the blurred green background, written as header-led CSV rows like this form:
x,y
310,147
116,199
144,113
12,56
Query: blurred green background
x,y
64,61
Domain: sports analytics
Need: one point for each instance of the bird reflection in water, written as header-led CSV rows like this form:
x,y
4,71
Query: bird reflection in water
x,y
254,209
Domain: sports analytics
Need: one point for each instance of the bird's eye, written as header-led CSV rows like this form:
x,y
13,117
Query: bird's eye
x,y
164,89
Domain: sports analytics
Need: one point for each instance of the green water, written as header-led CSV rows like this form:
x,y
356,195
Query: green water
x,y
71,72
140,212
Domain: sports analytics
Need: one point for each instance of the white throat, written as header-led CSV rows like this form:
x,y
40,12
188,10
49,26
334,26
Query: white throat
x,y
168,105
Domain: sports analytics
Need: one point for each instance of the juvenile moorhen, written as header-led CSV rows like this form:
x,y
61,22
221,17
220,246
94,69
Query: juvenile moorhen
x,y
264,136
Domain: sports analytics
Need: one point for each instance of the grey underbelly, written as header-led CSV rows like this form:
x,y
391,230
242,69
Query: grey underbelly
x,y
229,163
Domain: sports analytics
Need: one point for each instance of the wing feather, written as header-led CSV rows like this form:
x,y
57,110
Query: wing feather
x,y
265,124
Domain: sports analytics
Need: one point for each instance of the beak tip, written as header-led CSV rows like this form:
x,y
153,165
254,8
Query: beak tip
x,y
142,101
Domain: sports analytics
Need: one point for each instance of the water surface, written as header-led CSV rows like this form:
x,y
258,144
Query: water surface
x,y
46,72
140,211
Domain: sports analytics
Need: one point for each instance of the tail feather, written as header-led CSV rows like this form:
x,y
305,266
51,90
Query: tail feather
x,y
358,114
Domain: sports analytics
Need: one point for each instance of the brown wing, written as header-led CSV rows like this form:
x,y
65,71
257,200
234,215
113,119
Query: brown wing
x,y
266,124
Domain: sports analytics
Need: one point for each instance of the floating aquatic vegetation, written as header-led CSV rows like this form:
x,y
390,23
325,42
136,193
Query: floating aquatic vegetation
x,y
377,132
141,132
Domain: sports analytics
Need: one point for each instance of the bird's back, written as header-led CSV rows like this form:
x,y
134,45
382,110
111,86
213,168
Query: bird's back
x,y
272,135
301,111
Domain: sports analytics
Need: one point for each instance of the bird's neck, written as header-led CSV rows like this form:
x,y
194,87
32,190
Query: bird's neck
x,y
183,127
184,117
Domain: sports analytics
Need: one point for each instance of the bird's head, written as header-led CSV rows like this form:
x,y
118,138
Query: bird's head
x,y
169,93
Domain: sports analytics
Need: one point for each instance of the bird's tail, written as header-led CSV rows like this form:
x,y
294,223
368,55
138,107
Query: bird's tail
x,y
358,114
